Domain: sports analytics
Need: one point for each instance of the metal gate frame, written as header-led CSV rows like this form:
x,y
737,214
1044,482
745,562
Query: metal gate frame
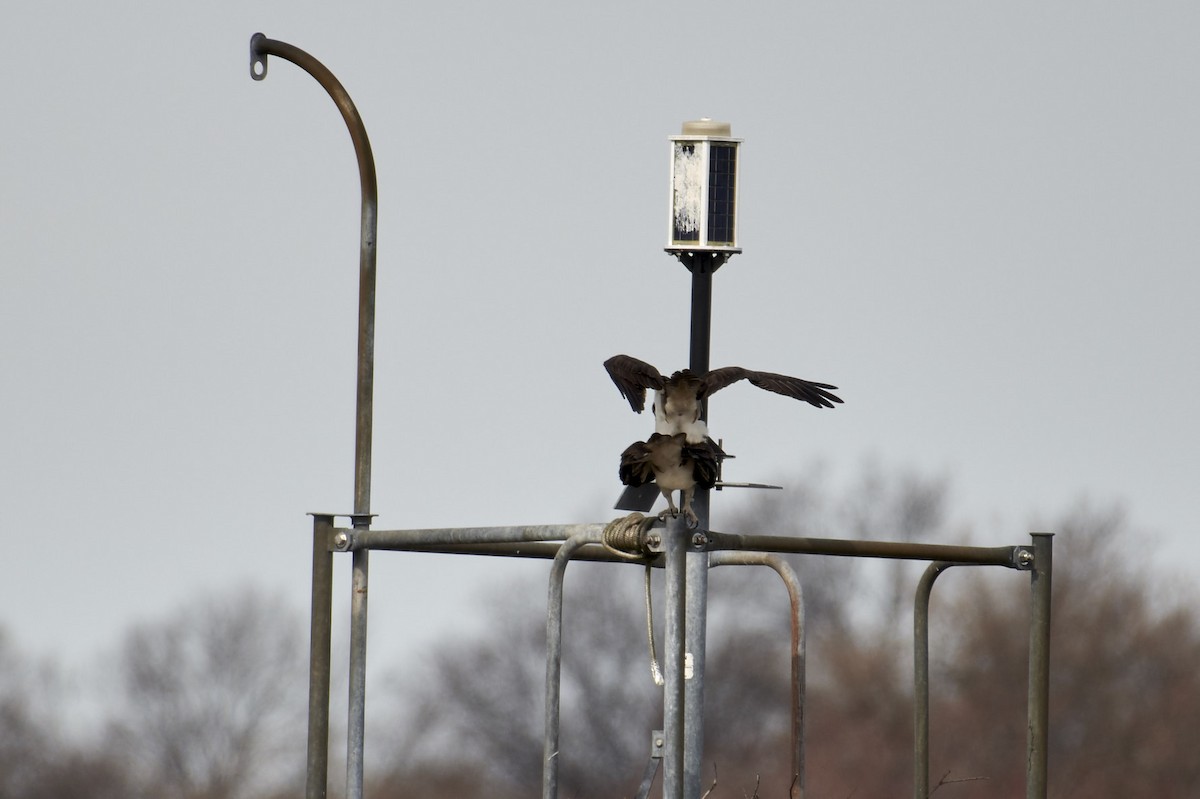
x,y
685,554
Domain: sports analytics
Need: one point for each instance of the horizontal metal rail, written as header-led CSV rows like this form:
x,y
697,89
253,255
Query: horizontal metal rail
x,y
350,540
500,541
1013,557
541,550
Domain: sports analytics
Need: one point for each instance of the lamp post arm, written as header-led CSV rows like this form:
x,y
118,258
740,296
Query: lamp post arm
x,y
260,48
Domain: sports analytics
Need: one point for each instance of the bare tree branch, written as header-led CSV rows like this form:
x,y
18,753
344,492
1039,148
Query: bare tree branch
x,y
946,781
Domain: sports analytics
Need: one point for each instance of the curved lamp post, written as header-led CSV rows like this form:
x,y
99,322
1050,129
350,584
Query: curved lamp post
x,y
318,689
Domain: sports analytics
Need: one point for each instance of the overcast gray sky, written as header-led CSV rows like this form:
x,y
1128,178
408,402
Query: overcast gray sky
x,y
978,219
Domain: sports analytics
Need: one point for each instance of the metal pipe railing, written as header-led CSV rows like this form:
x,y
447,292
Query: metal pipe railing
x,y
796,602
921,678
351,540
1012,557
554,605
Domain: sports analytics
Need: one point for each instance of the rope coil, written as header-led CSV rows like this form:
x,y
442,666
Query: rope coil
x,y
625,537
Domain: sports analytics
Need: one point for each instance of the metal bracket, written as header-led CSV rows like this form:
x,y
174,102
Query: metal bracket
x,y
343,539
657,740
258,57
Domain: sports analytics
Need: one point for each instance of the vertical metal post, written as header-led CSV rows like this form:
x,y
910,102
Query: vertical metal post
x,y
356,721
921,679
260,48
674,702
554,606
1039,665
317,776
696,592
701,334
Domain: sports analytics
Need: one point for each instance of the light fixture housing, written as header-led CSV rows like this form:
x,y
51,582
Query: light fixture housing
x,y
704,190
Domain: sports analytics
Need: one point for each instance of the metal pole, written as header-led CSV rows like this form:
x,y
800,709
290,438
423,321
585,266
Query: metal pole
x,y
412,539
317,776
921,679
796,601
260,48
990,556
554,604
1039,665
696,588
356,720
674,701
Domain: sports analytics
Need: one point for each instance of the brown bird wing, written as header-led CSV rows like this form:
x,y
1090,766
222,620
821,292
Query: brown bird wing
x,y
816,394
635,465
706,460
632,378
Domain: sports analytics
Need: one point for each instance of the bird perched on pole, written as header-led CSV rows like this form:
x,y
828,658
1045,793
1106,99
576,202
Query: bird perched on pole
x,y
678,399
674,464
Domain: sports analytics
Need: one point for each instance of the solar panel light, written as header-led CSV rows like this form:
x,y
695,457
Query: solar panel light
x,y
704,190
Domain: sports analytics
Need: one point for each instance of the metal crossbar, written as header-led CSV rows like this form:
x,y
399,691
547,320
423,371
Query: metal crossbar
x,y
582,542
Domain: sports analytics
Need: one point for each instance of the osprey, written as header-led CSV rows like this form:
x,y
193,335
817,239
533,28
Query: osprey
x,y
679,398
674,464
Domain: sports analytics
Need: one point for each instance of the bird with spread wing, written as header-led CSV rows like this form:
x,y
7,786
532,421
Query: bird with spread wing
x,y
673,464
680,455
678,399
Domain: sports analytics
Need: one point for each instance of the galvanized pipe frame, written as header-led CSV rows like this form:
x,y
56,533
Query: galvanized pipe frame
x,y
581,542
921,678
554,606
1019,557
1039,561
1012,557
352,540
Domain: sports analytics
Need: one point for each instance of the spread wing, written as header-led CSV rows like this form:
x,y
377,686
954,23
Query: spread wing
x,y
633,377
635,464
706,460
816,394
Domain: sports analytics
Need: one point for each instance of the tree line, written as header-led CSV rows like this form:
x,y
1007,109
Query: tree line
x,y
209,701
